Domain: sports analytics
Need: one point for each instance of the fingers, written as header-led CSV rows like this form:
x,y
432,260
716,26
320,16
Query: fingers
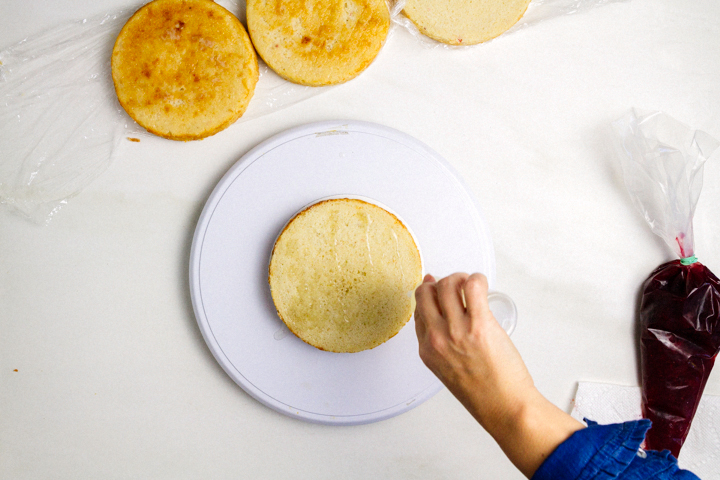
x,y
420,328
426,306
451,305
476,296
450,297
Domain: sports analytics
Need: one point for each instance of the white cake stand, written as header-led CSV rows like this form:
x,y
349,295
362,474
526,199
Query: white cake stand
x,y
235,236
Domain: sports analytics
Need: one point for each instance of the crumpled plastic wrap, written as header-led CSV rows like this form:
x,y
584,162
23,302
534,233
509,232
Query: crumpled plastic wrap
x,y
679,314
61,121
538,11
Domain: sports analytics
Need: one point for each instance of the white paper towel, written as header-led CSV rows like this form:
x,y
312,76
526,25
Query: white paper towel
x,y
606,403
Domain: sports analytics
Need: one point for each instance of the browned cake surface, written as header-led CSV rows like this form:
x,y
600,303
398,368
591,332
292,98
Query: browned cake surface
x,y
342,275
318,42
184,69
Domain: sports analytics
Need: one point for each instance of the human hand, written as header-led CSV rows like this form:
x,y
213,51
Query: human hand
x,y
464,346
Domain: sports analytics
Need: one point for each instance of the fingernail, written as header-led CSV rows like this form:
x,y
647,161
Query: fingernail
x,y
428,278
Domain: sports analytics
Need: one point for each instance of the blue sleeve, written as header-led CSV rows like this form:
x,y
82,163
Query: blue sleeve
x,y
601,452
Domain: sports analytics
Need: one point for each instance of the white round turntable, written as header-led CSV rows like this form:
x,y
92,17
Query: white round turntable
x,y
235,236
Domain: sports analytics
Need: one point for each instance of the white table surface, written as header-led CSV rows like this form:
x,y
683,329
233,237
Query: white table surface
x,y
113,377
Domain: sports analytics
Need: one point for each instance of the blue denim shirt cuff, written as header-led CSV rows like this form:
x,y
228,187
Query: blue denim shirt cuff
x,y
610,452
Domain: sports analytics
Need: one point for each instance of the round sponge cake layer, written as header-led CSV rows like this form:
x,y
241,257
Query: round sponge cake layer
x,y
464,22
318,42
184,69
343,273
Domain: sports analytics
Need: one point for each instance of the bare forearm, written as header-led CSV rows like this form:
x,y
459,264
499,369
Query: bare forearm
x,y
537,429
469,352
525,424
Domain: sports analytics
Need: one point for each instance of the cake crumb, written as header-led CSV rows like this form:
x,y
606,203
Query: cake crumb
x,y
133,139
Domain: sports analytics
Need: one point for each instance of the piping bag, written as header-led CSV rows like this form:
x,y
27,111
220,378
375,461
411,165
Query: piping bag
x,y
662,162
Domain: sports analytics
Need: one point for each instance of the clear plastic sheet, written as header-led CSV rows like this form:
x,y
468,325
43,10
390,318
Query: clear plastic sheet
x,y
679,314
662,161
61,119
537,11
